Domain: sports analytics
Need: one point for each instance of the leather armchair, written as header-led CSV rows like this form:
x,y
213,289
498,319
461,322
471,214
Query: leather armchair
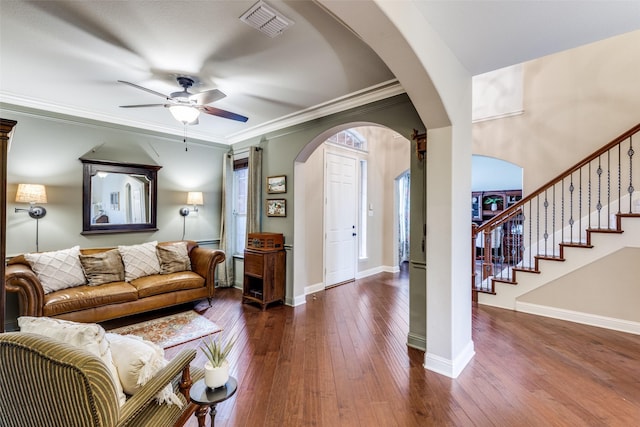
x,y
46,382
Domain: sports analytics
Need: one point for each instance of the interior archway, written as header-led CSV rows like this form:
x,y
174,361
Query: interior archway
x,y
388,156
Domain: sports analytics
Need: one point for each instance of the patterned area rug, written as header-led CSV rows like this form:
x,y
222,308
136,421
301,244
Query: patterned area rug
x,y
172,330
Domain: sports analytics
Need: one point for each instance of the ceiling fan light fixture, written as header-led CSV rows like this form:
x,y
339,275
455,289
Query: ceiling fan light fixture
x,y
184,113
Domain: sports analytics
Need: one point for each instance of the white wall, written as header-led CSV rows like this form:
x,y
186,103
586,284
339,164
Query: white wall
x,y
575,102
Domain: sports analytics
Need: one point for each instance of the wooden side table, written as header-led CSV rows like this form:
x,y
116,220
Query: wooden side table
x,y
264,276
204,396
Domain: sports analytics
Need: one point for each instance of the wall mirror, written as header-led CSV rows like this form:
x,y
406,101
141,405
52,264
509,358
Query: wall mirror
x,y
118,197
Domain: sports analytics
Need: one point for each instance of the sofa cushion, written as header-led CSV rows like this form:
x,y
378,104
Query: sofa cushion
x,y
173,258
84,297
88,336
157,284
57,269
139,260
137,361
103,267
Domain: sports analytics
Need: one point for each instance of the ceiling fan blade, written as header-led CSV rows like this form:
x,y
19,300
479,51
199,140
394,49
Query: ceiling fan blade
x,y
144,88
222,113
207,96
143,105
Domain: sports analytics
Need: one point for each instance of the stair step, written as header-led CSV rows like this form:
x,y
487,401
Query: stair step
x,y
505,280
576,245
604,230
549,257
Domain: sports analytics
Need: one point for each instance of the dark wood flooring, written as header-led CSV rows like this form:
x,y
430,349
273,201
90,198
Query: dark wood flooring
x,y
341,360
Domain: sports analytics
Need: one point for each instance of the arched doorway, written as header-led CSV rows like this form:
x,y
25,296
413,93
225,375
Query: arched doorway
x,y
375,169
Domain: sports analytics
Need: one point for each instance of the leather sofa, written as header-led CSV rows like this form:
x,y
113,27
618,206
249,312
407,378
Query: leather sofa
x,y
116,299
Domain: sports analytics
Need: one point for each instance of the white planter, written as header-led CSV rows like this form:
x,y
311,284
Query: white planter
x,y
216,377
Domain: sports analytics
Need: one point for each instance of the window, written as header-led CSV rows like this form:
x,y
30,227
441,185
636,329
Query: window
x,y
364,210
240,185
349,138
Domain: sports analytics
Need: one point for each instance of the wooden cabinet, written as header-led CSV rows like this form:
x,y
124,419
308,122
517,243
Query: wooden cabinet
x,y
264,276
487,204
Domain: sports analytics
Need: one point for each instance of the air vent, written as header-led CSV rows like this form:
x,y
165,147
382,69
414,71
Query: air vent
x,y
266,19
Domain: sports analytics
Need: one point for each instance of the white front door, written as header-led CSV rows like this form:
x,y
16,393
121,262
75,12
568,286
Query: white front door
x,y
340,219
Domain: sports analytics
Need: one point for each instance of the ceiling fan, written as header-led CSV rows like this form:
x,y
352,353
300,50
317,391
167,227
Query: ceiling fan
x,y
186,106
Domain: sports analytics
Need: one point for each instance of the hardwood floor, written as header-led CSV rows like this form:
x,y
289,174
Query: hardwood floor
x,y
341,360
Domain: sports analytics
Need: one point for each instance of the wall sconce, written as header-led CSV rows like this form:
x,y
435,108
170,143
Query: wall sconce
x,y
32,194
193,198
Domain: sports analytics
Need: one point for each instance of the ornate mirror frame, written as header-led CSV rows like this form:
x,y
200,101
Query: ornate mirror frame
x,y
91,168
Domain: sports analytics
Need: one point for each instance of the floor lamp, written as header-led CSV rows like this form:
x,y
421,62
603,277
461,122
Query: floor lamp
x,y
32,194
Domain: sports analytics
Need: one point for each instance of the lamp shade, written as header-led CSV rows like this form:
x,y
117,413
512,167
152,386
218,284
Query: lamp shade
x,y
195,198
31,193
184,113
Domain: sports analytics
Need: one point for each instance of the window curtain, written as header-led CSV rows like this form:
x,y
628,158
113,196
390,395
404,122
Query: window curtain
x,y
254,191
225,269
403,214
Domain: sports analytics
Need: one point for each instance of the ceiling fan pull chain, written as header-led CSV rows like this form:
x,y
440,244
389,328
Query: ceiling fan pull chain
x,y
184,139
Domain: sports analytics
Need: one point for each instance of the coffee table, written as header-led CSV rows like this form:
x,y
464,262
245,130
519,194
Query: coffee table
x,y
205,396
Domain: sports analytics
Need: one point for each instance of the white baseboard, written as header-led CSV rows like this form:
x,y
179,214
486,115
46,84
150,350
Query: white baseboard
x,y
580,317
376,270
312,289
296,301
447,367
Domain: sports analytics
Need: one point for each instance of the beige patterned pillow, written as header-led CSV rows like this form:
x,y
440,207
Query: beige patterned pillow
x,y
89,336
173,258
57,270
139,260
103,267
137,361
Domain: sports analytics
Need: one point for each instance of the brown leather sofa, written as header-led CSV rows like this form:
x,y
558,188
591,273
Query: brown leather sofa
x,y
116,299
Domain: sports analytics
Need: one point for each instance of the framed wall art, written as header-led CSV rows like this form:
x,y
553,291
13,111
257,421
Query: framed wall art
x,y
277,184
276,207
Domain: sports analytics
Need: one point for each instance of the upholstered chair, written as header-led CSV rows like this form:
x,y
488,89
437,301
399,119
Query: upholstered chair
x,y
46,382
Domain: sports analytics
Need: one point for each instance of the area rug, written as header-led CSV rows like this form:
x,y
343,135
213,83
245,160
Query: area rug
x,y
172,330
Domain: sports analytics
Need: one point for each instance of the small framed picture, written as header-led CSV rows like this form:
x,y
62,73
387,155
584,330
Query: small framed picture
x,y
276,207
277,184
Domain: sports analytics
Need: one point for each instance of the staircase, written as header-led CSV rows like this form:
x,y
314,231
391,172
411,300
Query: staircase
x,y
582,215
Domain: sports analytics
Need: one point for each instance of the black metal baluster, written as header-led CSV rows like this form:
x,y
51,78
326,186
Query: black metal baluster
x,y
571,220
599,204
580,206
609,185
630,153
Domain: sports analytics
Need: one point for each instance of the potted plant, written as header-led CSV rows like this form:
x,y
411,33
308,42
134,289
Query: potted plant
x,y
493,201
216,369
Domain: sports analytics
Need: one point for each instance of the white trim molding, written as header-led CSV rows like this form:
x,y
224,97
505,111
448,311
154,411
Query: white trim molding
x,y
447,367
612,323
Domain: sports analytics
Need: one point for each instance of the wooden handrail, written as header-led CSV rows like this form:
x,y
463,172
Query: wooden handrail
x,y
512,210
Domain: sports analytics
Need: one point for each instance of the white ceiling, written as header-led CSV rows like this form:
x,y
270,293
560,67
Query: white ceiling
x,y
66,56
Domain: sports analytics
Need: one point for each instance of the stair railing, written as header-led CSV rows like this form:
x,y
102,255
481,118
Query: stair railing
x,y
591,195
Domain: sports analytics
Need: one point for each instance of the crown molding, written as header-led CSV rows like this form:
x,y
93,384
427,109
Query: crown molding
x,y
356,99
353,100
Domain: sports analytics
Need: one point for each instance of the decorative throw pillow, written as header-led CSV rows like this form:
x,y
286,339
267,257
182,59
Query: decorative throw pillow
x,y
57,270
103,267
173,258
137,361
139,260
89,336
